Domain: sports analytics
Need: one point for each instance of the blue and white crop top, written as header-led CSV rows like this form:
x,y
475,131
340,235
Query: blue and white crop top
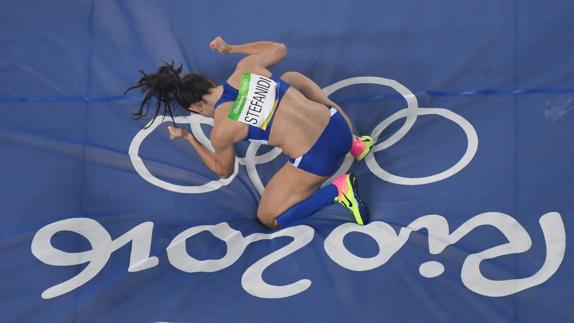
x,y
254,133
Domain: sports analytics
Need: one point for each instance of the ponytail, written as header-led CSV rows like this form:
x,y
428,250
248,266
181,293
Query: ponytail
x,y
169,90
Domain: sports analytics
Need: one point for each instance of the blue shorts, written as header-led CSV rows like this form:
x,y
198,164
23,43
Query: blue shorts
x,y
329,151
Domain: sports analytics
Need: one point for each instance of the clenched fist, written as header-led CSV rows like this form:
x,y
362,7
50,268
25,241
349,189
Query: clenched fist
x,y
219,45
177,133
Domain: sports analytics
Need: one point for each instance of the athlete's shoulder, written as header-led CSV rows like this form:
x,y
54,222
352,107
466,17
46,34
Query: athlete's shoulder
x,y
235,78
224,129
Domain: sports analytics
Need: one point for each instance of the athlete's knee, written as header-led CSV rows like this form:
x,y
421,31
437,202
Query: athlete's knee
x,y
289,76
292,78
267,219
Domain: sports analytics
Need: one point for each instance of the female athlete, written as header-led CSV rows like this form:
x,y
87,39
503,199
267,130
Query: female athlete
x,y
290,112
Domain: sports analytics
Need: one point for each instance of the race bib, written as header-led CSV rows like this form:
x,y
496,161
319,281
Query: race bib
x,y
255,103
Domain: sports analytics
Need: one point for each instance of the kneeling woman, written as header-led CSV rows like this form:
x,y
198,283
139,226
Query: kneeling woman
x,y
290,112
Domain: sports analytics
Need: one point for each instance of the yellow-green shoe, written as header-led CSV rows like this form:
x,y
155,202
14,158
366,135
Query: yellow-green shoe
x,y
349,197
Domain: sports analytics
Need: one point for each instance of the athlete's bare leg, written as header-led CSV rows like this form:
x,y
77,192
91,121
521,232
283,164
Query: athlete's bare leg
x,y
286,188
312,91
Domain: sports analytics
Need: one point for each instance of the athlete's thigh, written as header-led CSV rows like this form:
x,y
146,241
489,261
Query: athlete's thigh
x,y
286,188
313,91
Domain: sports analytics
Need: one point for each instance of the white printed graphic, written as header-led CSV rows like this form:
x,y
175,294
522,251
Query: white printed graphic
x,y
251,160
387,239
102,246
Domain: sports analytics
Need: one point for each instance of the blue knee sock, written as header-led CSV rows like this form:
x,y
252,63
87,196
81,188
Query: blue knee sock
x,y
313,203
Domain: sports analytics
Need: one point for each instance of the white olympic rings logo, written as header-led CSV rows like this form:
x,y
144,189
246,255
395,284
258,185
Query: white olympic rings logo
x,y
251,159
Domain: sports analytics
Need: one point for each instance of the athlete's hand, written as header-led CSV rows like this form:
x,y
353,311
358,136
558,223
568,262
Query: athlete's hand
x,y
177,133
219,45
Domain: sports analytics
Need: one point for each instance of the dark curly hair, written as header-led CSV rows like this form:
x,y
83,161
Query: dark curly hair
x,y
169,90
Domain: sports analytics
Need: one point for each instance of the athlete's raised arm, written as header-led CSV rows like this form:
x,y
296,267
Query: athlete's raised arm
x,y
260,56
260,53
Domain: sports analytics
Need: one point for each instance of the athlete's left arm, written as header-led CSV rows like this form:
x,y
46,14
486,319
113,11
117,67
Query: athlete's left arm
x,y
224,155
221,161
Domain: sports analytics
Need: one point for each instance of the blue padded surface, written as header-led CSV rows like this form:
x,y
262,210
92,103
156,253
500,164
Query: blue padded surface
x,y
486,241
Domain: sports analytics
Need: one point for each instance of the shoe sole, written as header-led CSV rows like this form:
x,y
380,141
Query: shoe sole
x,y
360,203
